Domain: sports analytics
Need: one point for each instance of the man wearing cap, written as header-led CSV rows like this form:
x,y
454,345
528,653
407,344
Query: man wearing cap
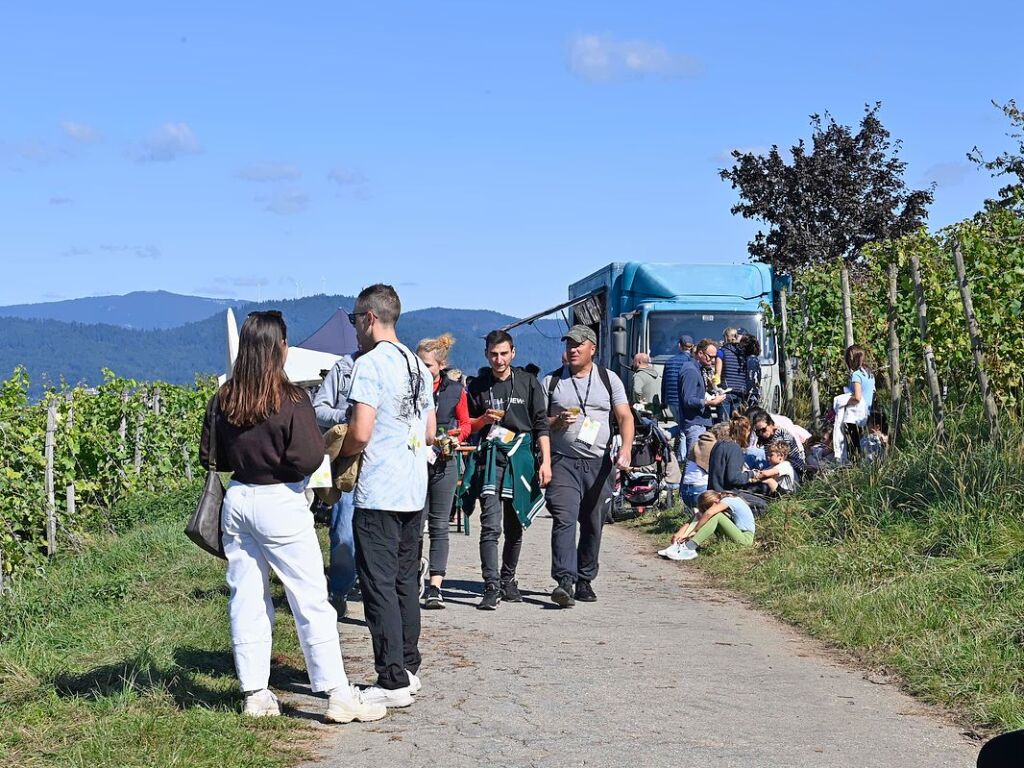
x,y
670,389
584,400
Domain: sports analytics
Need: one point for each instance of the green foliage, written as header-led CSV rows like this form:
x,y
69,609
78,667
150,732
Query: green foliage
x,y
992,244
160,424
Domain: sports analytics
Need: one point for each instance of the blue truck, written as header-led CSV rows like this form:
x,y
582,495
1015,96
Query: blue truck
x,y
640,307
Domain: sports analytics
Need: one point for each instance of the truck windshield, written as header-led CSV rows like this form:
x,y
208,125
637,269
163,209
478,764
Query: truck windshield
x,y
665,328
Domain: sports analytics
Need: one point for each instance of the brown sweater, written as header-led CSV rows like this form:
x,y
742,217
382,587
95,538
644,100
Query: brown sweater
x,y
285,448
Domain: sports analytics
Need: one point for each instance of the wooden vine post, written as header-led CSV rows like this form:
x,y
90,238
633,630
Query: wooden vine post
x,y
974,332
895,377
51,503
811,374
930,373
784,350
844,279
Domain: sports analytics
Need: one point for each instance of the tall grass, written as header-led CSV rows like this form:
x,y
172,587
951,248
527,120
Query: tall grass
x,y
120,657
916,564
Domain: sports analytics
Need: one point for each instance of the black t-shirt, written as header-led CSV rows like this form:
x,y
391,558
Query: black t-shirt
x,y
520,396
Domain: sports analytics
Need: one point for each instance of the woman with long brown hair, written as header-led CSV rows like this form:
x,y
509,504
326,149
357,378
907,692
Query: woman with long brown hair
x,y
268,438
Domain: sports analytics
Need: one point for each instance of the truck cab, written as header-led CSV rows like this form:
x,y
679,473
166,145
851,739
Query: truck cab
x,y
641,307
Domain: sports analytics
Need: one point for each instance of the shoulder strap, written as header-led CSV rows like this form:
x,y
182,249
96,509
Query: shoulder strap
x,y
554,377
213,433
613,422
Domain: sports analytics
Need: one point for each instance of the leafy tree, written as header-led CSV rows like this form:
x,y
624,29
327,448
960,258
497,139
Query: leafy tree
x,y
1009,163
840,193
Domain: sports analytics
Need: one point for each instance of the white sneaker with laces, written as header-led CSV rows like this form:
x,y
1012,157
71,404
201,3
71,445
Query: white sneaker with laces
x,y
664,552
389,697
682,552
415,686
345,709
262,703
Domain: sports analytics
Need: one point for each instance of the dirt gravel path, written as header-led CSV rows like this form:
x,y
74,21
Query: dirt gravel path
x,y
661,671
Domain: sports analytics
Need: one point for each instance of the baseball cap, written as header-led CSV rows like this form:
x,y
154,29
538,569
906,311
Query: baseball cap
x,y
581,333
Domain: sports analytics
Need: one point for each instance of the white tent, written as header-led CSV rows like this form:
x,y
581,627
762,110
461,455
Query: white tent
x,y
302,367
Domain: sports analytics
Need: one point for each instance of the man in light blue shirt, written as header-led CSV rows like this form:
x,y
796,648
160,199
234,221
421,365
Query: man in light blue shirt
x,y
392,424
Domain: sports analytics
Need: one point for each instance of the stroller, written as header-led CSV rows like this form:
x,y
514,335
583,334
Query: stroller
x,y
643,484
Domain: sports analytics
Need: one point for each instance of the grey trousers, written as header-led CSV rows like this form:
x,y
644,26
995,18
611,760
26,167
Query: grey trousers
x,y
580,493
438,509
496,515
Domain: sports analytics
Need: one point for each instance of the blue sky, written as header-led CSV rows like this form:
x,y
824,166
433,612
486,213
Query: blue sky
x,y
475,154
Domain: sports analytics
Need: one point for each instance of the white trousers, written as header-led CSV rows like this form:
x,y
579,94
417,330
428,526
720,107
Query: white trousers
x,y
270,526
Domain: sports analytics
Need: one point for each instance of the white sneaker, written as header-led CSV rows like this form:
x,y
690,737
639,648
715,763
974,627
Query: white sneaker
x,y
352,707
391,698
671,552
414,683
261,704
682,552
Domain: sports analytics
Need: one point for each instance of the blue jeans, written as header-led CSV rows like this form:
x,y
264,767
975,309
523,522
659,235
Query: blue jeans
x,y
755,458
342,573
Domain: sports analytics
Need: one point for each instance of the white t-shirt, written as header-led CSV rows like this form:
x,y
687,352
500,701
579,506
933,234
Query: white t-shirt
x,y
786,476
694,475
397,384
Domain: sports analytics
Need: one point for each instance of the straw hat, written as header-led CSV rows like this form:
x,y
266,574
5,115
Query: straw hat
x,y
702,450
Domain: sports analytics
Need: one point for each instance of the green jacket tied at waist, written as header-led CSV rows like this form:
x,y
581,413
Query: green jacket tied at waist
x,y
519,483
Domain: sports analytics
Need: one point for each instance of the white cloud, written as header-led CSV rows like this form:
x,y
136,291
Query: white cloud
x,y
81,132
60,200
227,286
946,174
350,180
285,202
167,143
269,172
74,252
599,58
139,251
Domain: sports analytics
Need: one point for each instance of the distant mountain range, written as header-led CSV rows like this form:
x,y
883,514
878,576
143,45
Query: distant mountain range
x,y
39,337
146,310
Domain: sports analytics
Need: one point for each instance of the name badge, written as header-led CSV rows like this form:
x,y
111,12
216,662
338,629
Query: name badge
x,y
589,431
501,434
321,477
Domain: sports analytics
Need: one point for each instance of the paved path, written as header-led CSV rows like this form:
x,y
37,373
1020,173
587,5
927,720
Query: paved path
x,y
661,671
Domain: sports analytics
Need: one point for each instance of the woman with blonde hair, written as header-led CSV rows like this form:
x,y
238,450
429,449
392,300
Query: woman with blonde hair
x,y
266,435
452,419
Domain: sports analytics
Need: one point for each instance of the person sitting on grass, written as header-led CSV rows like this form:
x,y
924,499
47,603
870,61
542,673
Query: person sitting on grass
x,y
723,513
779,477
875,443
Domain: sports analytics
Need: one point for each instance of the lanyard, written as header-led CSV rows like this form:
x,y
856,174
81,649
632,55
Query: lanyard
x,y
511,390
583,400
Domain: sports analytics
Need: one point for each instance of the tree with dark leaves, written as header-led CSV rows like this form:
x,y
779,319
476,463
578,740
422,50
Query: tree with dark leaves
x,y
842,192
1010,163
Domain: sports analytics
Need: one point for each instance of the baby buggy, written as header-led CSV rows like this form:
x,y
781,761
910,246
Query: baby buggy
x,y
642,485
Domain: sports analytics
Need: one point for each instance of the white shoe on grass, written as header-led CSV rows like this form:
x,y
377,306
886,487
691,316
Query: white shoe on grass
x,y
262,703
352,706
682,552
671,551
389,697
414,683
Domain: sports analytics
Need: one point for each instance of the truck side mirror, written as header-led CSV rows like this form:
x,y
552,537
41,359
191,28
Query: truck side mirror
x,y
619,339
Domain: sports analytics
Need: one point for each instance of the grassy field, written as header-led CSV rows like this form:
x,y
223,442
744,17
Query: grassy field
x,y
120,657
916,565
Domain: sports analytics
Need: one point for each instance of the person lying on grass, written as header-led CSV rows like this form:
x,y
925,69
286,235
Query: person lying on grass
x,y
779,477
723,513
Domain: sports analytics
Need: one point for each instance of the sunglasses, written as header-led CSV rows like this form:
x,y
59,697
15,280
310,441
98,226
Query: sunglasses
x,y
274,313
353,316
761,430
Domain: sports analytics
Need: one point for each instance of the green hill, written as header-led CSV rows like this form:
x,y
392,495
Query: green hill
x,y
77,352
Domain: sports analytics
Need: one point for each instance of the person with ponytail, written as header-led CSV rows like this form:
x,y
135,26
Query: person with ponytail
x,y
453,426
267,437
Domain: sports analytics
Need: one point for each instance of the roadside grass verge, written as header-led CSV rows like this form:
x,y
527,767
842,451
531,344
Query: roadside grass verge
x,y
119,656
916,565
